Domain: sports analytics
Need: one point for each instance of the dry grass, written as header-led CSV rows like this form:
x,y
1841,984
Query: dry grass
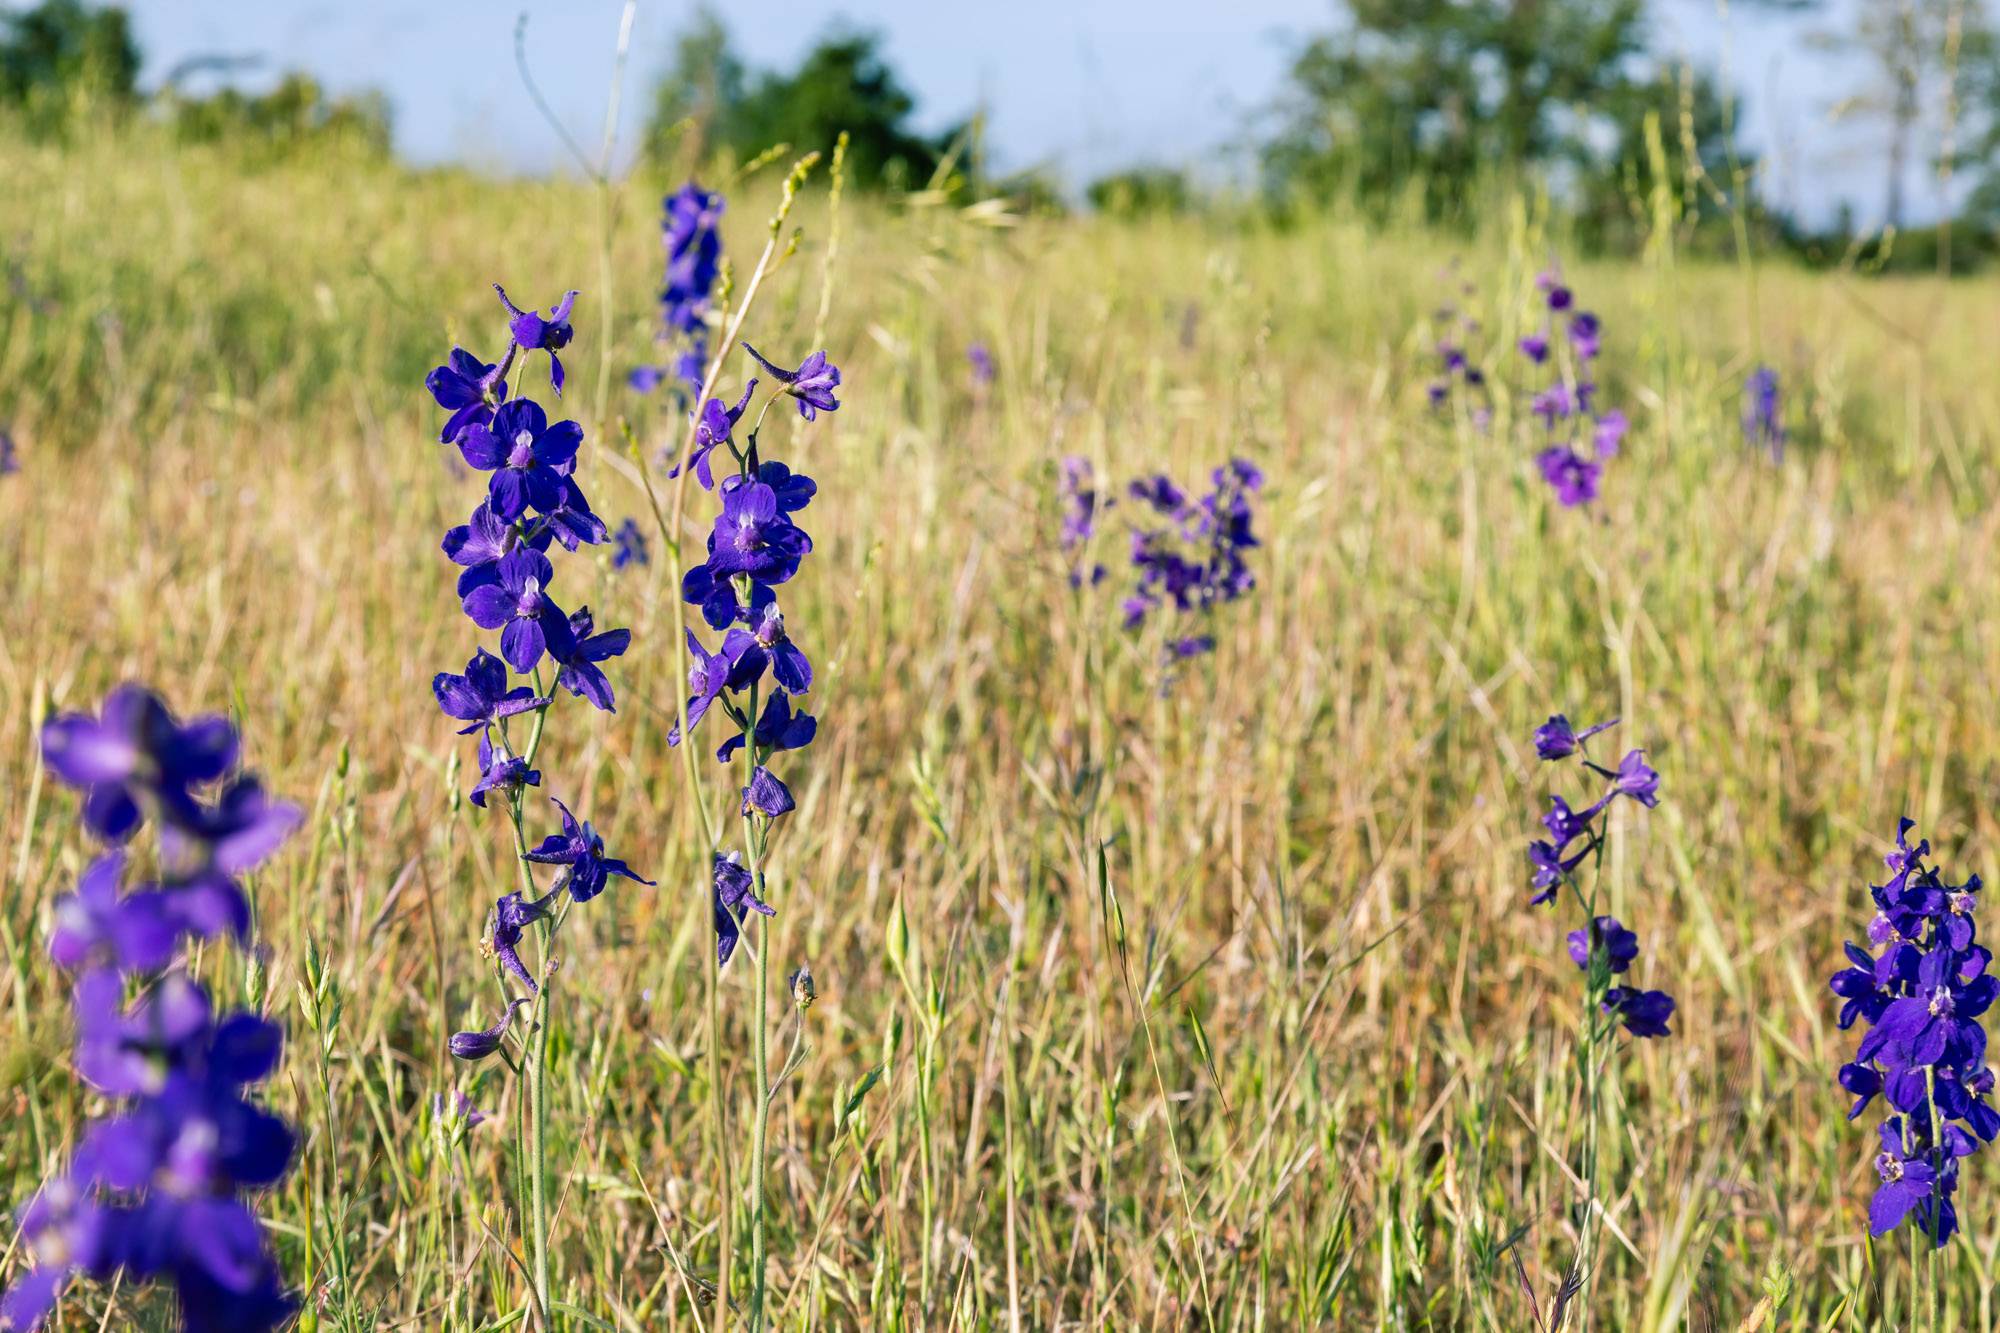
x,y
1314,840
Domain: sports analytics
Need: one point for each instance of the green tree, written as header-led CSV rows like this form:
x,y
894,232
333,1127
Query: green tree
x,y
63,50
294,112
702,88
844,83
1697,123
1139,191
1440,91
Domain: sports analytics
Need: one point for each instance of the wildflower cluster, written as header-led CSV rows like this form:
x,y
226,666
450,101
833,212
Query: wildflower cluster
x,y
755,547
158,1189
1455,369
1920,994
1567,405
532,503
693,242
1763,421
1192,559
1602,948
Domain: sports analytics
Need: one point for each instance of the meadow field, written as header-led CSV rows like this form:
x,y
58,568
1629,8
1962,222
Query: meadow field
x,y
1143,1001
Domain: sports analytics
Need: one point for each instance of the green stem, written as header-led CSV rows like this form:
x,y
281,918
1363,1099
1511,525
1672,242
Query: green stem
x,y
759,1053
537,1046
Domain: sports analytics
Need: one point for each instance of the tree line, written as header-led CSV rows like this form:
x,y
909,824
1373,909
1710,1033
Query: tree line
x,y
1432,108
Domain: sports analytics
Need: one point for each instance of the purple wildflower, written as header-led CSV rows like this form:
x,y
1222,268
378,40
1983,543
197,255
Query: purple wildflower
x,y
532,333
480,697
711,431
734,666
1644,1013
501,772
527,456
529,621
577,654
1556,739
467,388
1604,937
1572,476
812,384
767,795
735,892
1763,421
579,848
479,1043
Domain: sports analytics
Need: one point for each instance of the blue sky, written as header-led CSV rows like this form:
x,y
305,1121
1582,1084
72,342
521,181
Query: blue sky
x,y
1082,85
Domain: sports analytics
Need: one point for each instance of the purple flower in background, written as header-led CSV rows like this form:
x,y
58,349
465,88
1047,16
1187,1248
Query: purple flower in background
x,y
689,233
1584,333
1609,433
467,388
1763,421
10,457
1573,477
578,653
1555,403
528,620
1159,491
1556,739
1077,494
812,383
532,333
767,795
580,848
479,1043
480,697
735,892
693,244
1581,432
711,431
980,358
528,457
628,546
1194,561
459,1108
